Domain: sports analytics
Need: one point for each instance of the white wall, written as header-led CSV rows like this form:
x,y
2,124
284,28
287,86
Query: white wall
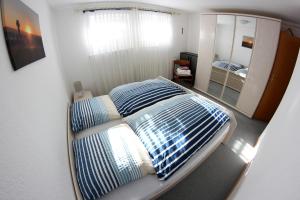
x,y
33,150
180,40
73,51
240,54
274,173
224,40
69,20
294,27
193,33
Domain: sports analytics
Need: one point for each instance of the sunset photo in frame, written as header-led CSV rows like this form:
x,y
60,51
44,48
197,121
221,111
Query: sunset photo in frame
x,y
248,42
22,33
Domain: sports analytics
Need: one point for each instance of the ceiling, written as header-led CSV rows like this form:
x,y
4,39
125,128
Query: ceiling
x,y
288,10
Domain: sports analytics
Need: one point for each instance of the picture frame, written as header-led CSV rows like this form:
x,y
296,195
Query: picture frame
x,y
22,33
248,42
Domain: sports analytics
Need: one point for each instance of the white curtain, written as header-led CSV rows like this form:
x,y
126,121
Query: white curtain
x,y
128,45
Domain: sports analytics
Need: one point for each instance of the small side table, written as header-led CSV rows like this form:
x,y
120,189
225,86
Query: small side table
x,y
86,94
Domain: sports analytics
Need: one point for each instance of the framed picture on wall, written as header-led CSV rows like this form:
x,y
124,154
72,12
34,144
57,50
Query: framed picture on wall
x,y
22,33
248,42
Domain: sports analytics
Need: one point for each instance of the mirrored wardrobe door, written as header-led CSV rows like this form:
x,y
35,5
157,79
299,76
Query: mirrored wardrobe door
x,y
223,49
238,68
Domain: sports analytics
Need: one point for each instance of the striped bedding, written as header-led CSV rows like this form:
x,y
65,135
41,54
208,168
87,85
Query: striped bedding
x,y
133,97
226,65
109,159
173,130
91,112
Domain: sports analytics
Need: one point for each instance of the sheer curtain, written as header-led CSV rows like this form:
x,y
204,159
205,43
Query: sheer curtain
x,y
128,45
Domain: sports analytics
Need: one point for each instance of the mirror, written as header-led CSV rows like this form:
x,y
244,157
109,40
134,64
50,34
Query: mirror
x,y
223,49
234,42
244,35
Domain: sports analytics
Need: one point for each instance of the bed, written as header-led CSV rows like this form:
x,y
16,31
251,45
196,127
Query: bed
x,y
236,76
150,187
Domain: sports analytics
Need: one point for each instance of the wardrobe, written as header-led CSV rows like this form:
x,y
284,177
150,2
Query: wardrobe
x,y
285,61
235,57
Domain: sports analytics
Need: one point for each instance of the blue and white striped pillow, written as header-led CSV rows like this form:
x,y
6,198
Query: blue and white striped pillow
x,y
87,113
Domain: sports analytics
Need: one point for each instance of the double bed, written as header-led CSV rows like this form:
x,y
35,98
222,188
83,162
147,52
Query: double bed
x,y
150,186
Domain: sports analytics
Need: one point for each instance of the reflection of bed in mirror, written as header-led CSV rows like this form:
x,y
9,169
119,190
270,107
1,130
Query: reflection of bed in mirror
x,y
236,76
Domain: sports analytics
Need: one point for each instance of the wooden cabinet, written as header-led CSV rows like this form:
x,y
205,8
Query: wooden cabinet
x,y
281,73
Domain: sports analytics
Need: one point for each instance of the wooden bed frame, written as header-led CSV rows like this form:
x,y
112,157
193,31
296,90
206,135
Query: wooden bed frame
x,y
150,187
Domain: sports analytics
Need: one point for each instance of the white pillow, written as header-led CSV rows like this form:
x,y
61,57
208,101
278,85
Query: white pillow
x,y
110,106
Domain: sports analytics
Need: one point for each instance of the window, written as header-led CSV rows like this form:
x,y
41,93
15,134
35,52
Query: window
x,y
109,31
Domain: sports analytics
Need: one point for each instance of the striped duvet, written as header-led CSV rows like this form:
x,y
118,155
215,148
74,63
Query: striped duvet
x,y
173,130
107,160
133,97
